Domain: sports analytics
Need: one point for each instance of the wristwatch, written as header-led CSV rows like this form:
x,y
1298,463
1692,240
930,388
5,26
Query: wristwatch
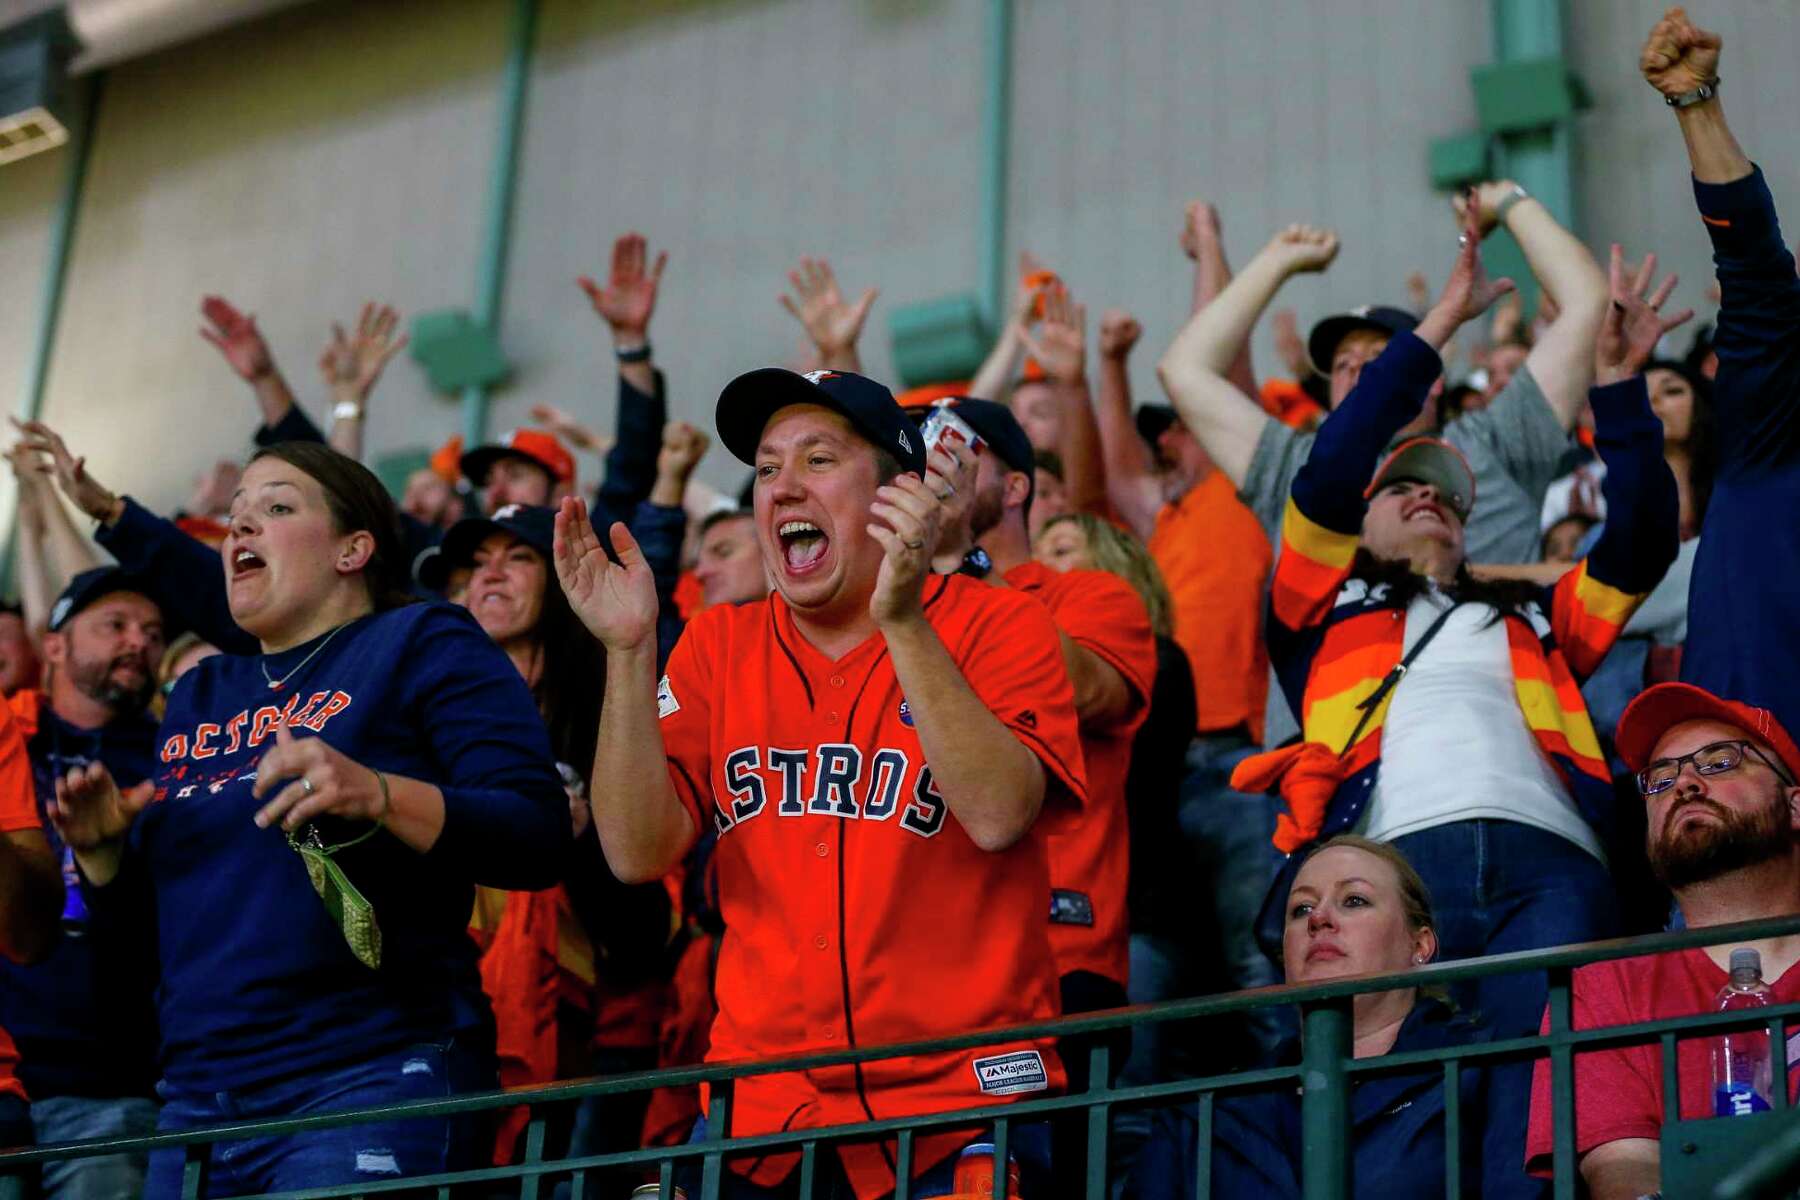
x,y
346,410
633,354
1699,95
1507,201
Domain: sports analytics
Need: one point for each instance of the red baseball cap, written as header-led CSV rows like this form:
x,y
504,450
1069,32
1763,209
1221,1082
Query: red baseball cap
x,y
533,445
1661,708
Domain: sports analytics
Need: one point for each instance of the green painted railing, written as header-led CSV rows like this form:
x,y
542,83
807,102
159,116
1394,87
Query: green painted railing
x,y
1323,1078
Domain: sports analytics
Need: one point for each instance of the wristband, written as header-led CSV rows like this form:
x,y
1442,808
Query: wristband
x,y
1506,202
1699,95
346,410
635,354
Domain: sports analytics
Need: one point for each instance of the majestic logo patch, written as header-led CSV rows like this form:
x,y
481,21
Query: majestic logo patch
x,y
820,376
507,512
665,699
905,442
1027,718
905,715
1009,1074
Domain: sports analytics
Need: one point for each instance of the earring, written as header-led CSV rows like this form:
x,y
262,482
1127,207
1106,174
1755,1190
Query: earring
x,y
1418,960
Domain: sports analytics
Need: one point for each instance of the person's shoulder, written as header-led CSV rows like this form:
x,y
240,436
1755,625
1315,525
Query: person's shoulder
x,y
1646,985
963,598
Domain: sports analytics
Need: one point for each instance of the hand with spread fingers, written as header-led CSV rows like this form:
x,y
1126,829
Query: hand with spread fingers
x,y
1634,322
628,300
319,782
235,336
92,814
1060,346
83,491
833,324
351,364
908,520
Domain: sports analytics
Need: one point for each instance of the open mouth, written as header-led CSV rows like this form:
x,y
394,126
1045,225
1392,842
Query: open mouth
x,y
1428,512
244,562
803,545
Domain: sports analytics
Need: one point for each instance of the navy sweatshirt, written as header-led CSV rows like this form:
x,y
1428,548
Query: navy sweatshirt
x,y
83,1017
1743,620
257,983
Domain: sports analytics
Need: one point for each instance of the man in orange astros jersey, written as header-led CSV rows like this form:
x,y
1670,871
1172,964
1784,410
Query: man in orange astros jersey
x,y
1110,654
874,745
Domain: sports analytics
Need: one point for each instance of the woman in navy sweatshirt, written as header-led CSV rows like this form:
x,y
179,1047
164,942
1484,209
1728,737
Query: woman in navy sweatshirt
x,y
397,731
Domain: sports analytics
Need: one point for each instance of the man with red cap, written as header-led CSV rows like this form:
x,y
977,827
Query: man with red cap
x,y
527,466
1719,781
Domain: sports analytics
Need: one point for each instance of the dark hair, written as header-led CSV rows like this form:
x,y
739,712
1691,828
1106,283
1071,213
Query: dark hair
x,y
357,501
571,678
1405,584
1582,519
721,516
1702,445
1048,461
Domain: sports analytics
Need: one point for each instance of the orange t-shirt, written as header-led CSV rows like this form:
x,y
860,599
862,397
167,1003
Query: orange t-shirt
x,y
1090,856
857,910
1215,558
18,814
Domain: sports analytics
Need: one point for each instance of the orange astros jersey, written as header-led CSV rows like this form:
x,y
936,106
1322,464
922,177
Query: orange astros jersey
x,y
856,909
18,814
1090,857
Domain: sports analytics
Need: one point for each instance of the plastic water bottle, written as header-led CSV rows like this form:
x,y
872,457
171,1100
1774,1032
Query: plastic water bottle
x,y
974,1174
1740,1059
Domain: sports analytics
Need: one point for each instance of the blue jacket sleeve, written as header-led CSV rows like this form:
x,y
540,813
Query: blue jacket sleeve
x,y
506,816
186,573
296,426
631,463
1643,511
1757,392
1390,392
659,531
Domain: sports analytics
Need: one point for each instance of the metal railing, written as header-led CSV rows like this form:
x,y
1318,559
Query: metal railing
x,y
1323,1078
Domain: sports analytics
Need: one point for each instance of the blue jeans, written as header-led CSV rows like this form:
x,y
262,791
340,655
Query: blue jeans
x,y
373,1152
1499,886
1029,1147
77,1118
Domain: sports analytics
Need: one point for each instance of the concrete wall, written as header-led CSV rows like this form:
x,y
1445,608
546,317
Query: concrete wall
x,y
340,152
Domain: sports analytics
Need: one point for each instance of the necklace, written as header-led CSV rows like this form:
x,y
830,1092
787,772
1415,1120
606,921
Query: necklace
x,y
275,684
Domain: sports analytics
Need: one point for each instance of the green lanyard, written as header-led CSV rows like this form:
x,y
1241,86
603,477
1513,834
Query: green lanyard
x,y
347,907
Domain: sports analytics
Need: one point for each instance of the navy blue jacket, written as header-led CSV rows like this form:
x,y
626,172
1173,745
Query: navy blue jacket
x,y
83,1018
257,983
1743,636
1397,1133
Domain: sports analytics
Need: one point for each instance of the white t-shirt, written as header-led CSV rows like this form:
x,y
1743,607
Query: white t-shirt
x,y
1455,746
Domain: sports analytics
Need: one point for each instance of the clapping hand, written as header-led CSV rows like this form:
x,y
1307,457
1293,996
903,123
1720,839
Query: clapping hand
x,y
615,600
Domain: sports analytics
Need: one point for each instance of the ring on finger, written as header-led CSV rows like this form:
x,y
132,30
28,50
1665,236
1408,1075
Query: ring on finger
x,y
918,545
306,785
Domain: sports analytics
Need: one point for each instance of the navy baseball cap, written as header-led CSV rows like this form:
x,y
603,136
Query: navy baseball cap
x,y
1154,420
1322,342
532,524
93,584
748,402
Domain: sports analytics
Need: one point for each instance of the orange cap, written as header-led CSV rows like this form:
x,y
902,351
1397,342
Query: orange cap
x,y
446,460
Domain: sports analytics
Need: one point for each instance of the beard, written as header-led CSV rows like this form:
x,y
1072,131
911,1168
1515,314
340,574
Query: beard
x,y
1703,852
95,679
986,511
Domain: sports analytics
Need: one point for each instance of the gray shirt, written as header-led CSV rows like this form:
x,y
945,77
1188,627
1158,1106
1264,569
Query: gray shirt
x,y
1514,446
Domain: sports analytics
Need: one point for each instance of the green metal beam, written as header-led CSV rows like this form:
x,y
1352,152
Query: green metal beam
x,y
1540,160
996,145
78,149
490,288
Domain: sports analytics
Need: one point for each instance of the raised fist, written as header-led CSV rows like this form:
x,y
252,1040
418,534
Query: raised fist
x,y
1119,332
1303,248
1678,56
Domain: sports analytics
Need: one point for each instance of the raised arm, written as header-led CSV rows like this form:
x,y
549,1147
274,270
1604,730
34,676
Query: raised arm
x,y
350,365
1194,369
626,304
1131,481
1000,370
1561,358
833,325
1060,347
644,829
1203,241
238,341
1678,60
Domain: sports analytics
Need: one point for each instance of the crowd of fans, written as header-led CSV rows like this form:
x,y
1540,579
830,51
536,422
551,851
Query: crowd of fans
x,y
991,701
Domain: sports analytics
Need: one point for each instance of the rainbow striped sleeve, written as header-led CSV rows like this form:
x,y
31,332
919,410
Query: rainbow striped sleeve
x,y
1313,565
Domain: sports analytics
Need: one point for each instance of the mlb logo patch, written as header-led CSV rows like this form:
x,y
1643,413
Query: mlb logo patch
x,y
905,715
665,699
1009,1074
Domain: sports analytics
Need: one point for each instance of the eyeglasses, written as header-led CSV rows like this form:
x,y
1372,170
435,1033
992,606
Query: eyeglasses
x,y
1715,759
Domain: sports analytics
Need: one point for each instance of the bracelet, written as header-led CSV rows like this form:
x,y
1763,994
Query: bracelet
x,y
387,800
1699,95
346,410
1505,206
635,354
